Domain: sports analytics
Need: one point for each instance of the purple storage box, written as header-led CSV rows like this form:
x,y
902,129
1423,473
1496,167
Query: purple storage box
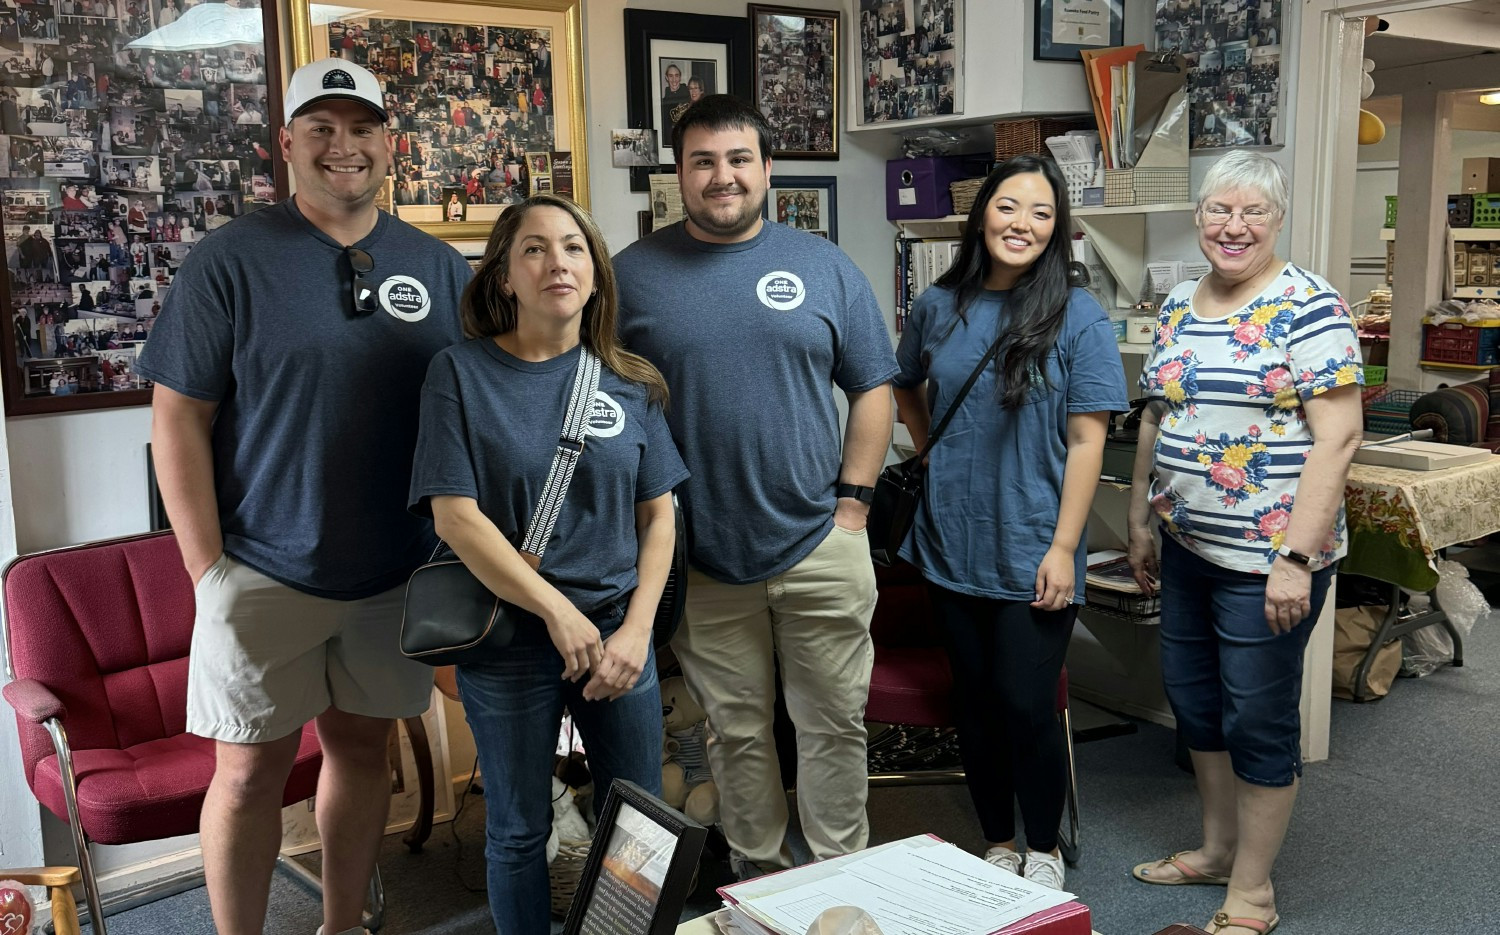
x,y
918,188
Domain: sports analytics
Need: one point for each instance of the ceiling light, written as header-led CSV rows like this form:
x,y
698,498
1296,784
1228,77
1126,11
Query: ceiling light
x,y
1490,97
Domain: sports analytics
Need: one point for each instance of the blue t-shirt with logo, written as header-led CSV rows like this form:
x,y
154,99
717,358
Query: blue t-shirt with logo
x,y
994,480
317,411
490,424
752,338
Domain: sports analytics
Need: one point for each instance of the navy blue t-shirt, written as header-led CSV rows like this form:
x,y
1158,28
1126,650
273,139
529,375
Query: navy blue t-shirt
x,y
994,480
317,414
490,424
752,338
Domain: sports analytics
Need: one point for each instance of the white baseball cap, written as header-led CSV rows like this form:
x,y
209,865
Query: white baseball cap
x,y
333,78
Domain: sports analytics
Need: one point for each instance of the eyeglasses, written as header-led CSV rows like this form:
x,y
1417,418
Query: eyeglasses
x,y
1250,217
362,293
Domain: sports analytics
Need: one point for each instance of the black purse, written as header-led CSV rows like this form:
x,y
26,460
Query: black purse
x,y
898,490
451,618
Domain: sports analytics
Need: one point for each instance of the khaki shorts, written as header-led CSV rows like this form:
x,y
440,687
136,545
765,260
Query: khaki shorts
x,y
266,658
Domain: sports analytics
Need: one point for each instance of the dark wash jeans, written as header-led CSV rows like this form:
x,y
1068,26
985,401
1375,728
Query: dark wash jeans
x,y
514,704
1233,684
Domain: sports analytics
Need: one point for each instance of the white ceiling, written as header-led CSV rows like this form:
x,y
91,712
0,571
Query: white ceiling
x,y
1392,50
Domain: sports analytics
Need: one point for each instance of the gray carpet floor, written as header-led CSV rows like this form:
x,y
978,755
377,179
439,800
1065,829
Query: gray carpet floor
x,y
1397,832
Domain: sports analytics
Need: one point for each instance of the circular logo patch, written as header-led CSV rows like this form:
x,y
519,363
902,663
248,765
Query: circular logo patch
x,y
606,417
405,297
780,290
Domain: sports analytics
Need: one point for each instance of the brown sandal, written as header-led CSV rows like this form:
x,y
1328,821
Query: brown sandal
x,y
1223,920
1189,875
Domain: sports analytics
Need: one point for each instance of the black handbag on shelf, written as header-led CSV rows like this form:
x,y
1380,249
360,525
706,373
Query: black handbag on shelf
x,y
451,618
898,490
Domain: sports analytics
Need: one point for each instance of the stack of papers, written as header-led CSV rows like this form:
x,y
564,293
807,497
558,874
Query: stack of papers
x,y
917,886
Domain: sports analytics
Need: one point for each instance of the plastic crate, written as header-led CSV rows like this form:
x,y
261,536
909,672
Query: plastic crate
x,y
1461,210
1374,375
1389,413
1486,211
1390,210
1455,343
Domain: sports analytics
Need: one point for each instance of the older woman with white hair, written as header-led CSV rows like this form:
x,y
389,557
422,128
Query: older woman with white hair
x,y
1242,457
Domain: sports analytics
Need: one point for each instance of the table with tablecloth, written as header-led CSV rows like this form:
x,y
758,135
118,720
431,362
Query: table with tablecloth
x,y
1399,519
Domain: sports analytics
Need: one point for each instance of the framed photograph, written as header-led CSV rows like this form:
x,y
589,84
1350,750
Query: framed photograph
x,y
910,59
672,59
639,869
1066,27
795,79
475,88
806,202
128,132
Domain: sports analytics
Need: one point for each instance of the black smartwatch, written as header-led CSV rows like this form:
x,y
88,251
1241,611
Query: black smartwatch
x,y
856,492
1291,555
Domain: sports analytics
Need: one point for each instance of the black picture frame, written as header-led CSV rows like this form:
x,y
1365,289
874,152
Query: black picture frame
x,y
643,28
636,825
817,128
828,202
54,356
1048,47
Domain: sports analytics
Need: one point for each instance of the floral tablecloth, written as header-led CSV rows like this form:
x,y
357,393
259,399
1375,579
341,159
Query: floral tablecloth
x,y
1398,519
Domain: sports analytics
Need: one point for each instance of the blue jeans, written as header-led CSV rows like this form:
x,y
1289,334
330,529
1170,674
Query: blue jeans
x,y
514,705
1233,684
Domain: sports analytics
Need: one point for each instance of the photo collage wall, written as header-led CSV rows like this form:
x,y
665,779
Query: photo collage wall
x,y
908,53
1233,52
471,107
119,150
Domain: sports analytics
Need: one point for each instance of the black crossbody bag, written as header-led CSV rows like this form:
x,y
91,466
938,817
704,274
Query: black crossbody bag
x,y
898,490
451,618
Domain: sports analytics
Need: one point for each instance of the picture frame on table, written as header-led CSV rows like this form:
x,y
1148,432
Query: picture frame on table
x,y
670,57
452,71
795,78
1065,28
640,867
805,202
125,138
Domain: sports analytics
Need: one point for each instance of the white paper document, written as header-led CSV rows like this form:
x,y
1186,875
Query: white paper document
x,y
912,890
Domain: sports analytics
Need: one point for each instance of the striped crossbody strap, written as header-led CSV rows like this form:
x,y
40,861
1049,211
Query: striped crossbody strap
x,y
569,449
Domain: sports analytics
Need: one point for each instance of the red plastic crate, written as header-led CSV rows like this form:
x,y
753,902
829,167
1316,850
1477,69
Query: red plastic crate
x,y
1455,343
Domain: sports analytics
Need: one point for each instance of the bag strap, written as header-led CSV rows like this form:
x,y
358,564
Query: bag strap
x,y
565,459
935,434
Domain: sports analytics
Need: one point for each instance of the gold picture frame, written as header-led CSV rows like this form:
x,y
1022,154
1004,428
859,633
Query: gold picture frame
x,y
315,26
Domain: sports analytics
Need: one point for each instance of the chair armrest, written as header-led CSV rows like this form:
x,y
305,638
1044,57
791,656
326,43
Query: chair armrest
x,y
43,876
34,701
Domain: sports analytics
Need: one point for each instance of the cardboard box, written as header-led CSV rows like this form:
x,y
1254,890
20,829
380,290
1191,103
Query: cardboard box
x,y
1421,456
1481,175
1479,261
1478,279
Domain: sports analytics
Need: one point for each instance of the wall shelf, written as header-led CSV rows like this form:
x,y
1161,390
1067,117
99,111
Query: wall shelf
x,y
1095,211
950,226
1476,292
1119,235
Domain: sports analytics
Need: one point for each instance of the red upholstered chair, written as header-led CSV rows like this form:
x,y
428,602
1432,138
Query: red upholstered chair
x,y
912,684
96,640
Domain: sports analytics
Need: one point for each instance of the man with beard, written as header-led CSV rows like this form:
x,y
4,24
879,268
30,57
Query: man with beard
x,y
752,323
288,361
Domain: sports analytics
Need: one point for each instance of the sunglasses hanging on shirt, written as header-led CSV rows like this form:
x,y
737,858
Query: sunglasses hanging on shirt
x,y
362,291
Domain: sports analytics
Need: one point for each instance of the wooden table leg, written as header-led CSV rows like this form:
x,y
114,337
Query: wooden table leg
x,y
421,752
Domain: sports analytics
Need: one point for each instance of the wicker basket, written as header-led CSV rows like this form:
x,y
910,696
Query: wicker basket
x,y
564,873
964,192
1028,135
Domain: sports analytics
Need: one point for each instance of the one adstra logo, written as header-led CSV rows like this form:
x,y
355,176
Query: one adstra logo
x,y
781,291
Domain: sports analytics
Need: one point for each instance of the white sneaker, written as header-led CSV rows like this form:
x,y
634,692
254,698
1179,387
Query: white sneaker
x,y
354,931
1043,868
1004,858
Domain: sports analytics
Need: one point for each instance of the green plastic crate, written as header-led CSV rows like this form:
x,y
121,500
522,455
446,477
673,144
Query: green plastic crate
x,y
1390,210
1486,211
1374,375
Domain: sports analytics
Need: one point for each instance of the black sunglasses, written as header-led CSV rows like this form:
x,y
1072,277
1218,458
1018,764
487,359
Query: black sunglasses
x,y
363,293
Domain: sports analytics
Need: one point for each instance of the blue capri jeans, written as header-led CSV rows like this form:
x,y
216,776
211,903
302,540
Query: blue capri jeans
x,y
513,705
1233,684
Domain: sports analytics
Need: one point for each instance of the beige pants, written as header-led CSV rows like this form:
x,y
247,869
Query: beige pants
x,y
815,618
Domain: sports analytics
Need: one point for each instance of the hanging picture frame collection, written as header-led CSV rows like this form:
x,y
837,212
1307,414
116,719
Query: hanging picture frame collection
x,y
795,79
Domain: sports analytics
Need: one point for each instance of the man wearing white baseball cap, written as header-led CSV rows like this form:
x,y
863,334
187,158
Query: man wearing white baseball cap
x,y
288,361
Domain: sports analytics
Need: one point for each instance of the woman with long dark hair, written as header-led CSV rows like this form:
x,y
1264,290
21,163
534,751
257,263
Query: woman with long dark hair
x,y
492,411
999,534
